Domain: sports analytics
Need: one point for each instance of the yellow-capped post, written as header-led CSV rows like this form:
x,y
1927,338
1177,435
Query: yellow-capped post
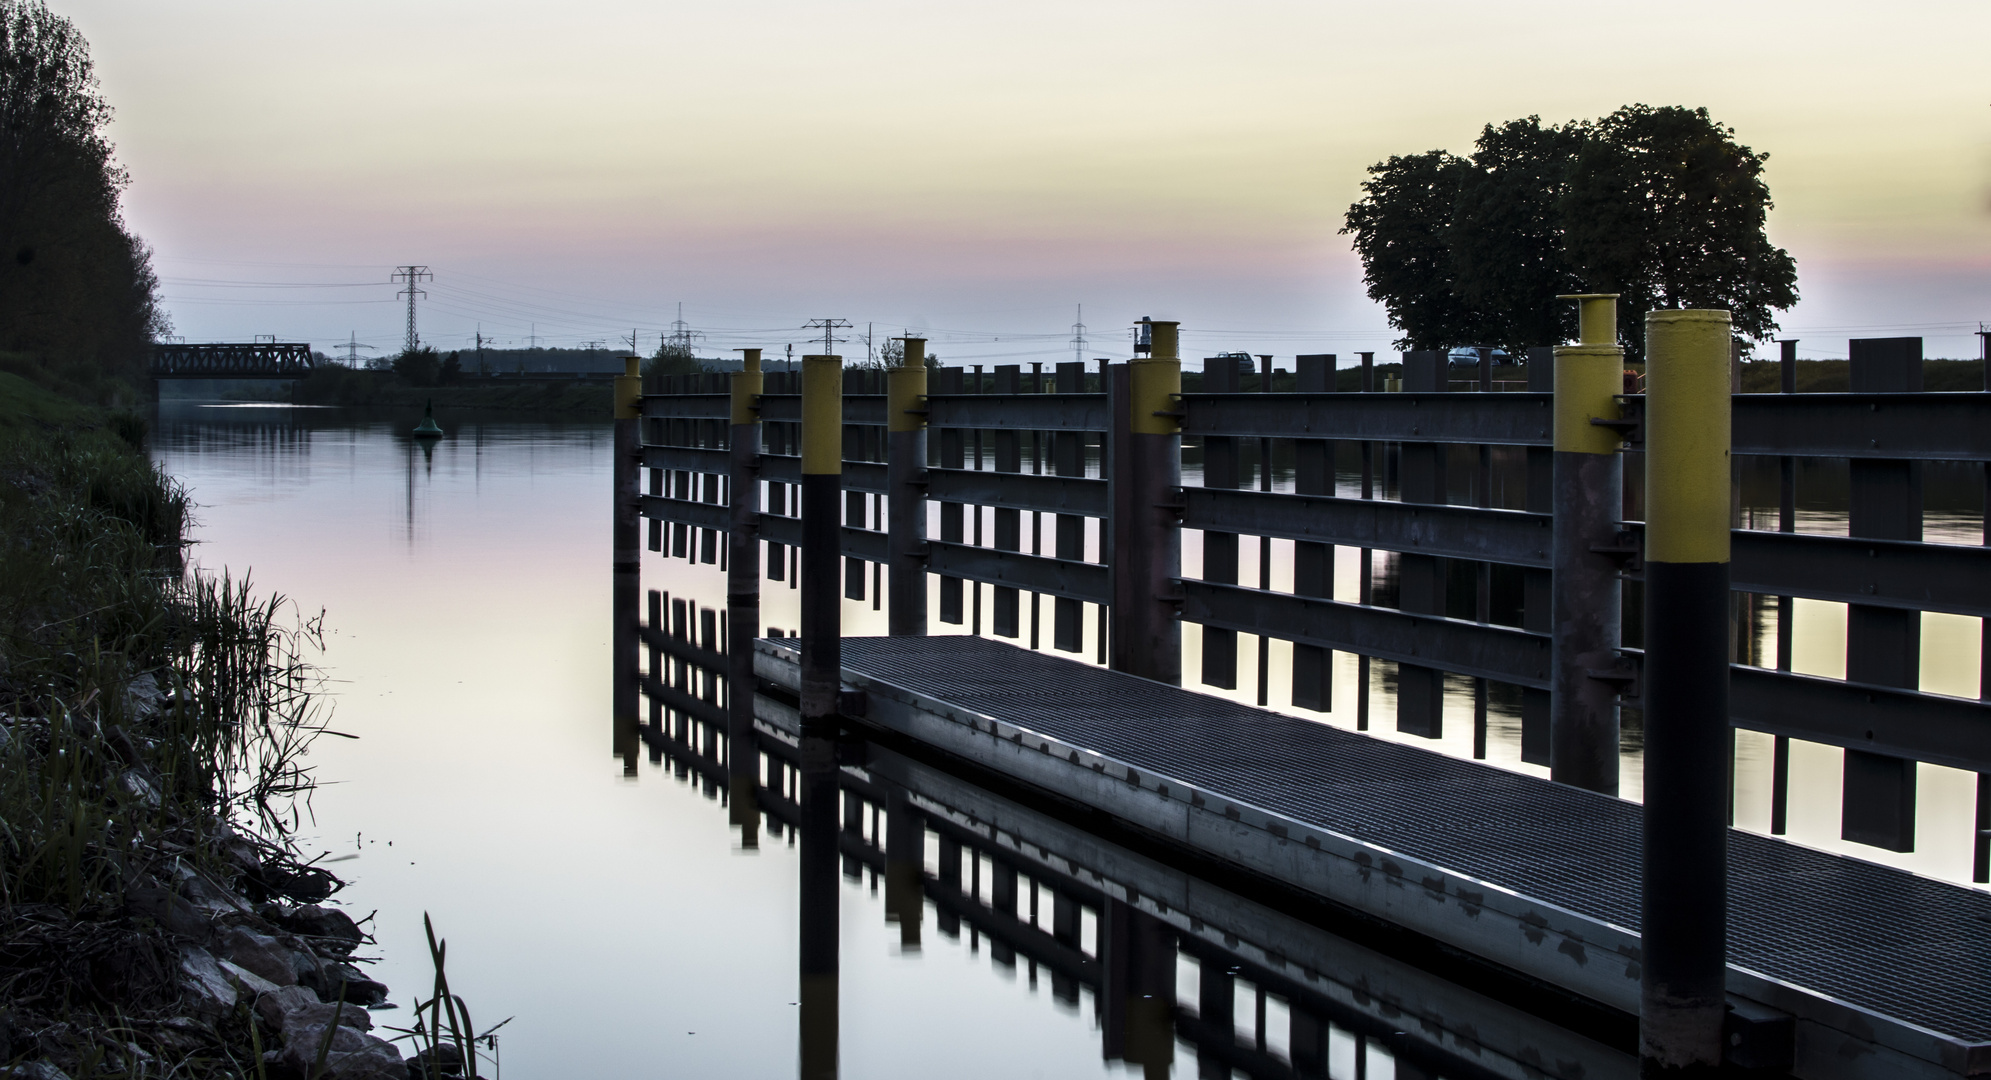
x,y
743,596
905,483
822,672
1684,900
1146,459
1588,493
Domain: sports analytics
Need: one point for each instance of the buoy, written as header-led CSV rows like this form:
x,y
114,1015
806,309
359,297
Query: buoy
x,y
428,428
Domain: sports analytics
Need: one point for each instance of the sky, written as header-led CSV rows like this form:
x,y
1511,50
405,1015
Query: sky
x,y
572,173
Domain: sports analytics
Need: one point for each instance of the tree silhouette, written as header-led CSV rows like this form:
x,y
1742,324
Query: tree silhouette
x,y
1660,205
78,298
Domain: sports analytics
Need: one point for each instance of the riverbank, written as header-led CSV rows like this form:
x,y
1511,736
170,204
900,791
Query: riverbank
x,y
154,917
349,387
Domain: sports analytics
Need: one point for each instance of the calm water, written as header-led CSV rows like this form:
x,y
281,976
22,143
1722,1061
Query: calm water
x,y
619,919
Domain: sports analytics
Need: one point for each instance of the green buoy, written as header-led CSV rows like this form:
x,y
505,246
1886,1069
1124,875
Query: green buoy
x,y
428,429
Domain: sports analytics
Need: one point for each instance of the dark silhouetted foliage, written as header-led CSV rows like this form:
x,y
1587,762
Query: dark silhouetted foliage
x,y
1660,205
419,366
77,291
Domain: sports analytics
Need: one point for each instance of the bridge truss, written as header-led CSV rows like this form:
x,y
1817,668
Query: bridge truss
x,y
233,360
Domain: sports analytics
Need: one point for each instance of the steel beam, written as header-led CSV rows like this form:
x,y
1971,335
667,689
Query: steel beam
x,y
1459,532
1507,419
1486,651
1053,577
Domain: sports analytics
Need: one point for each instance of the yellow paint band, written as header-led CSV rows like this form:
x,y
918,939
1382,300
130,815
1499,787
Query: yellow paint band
x,y
1155,385
1687,436
822,415
1588,379
905,397
629,389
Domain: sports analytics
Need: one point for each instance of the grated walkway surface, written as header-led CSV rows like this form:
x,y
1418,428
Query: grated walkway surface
x,y
1901,945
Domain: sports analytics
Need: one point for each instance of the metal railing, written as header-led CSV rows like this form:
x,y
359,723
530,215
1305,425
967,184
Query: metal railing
x,y
1039,443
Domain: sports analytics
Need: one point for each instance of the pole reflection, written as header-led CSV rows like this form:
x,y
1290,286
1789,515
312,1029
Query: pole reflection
x,y
1178,975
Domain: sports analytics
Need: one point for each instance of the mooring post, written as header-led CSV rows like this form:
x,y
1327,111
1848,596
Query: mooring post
x,y
1684,936
743,600
1147,511
1589,497
905,499
822,673
628,554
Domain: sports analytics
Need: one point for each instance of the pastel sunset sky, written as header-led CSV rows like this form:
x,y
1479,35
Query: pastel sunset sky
x,y
576,170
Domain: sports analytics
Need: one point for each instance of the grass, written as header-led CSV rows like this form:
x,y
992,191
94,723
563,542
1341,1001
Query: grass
x,y
104,791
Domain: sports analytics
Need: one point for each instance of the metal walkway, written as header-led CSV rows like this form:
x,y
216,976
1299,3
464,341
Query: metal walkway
x,y
1862,946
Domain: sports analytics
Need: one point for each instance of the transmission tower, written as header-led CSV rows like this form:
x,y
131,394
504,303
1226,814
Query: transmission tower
x,y
352,347
682,335
828,326
410,275
1078,336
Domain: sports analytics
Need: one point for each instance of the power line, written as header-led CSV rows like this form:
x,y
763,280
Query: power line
x,y
411,275
828,326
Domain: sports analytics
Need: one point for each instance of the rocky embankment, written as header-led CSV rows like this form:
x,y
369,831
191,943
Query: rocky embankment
x,y
219,944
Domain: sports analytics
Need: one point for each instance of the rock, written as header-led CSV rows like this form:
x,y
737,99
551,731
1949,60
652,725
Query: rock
x,y
237,849
247,981
352,1054
306,1023
289,1004
259,953
207,987
167,908
330,930
32,1070
142,697
330,980
139,788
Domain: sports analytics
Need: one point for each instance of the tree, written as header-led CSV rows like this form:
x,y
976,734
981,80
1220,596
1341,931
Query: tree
x,y
1660,205
419,366
672,358
77,293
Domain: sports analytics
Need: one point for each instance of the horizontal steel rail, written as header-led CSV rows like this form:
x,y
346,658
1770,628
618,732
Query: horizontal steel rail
x,y
1516,419
1938,426
1458,532
1021,491
704,711
1484,650
1022,412
686,512
1884,720
1887,720
1950,578
688,406
864,410
688,651
1034,573
695,459
854,543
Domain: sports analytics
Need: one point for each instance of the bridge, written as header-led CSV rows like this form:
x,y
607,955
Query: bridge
x,y
233,360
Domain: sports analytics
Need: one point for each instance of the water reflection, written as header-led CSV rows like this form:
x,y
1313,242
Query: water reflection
x,y
1173,973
